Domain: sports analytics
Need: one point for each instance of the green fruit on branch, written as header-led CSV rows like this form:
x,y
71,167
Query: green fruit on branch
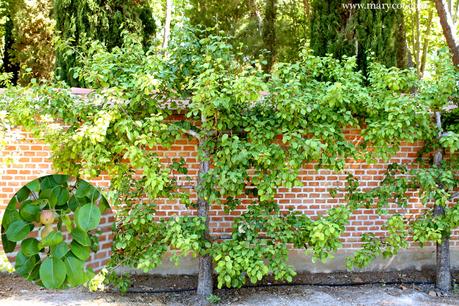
x,y
47,217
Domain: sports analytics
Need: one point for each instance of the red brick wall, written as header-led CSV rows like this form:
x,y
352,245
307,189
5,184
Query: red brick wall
x,y
29,159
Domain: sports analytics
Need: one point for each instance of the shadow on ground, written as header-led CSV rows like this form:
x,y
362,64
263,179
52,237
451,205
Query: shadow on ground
x,y
16,291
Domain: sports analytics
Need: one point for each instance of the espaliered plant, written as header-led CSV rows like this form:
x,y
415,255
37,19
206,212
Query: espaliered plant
x,y
434,176
254,133
36,221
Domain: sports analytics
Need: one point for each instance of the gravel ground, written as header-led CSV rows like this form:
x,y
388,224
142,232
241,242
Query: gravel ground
x,y
16,291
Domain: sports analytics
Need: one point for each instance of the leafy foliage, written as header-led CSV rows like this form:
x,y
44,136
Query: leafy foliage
x,y
8,69
83,21
257,133
45,205
274,30
341,30
260,240
33,47
3,20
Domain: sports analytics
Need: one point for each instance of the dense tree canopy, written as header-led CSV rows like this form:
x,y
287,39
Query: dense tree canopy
x,y
79,22
404,35
33,34
344,30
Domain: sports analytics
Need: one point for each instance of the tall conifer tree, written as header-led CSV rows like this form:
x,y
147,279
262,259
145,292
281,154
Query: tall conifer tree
x,y
340,29
7,65
81,20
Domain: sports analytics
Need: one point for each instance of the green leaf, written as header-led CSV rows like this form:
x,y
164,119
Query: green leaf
x,y
8,246
75,202
47,182
60,250
24,265
84,189
18,230
50,196
87,217
12,203
34,275
80,251
60,179
53,272
30,247
23,194
81,236
75,271
34,186
103,205
52,239
10,215
42,203
56,195
94,243
62,195
30,211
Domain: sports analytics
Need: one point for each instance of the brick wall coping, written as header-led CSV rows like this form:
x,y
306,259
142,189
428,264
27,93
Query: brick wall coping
x,y
86,91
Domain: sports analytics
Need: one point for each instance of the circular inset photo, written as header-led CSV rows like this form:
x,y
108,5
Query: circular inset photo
x,y
56,231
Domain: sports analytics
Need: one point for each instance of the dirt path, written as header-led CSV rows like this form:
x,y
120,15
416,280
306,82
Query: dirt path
x,y
16,291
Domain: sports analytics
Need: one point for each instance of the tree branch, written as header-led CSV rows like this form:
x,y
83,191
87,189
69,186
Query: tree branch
x,y
448,29
192,134
426,41
167,23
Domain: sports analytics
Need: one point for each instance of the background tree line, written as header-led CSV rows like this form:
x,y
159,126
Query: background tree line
x,y
43,39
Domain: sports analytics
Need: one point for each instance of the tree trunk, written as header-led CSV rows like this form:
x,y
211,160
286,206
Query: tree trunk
x,y
205,282
425,47
306,9
448,29
413,38
167,23
443,266
256,13
402,50
417,46
269,33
